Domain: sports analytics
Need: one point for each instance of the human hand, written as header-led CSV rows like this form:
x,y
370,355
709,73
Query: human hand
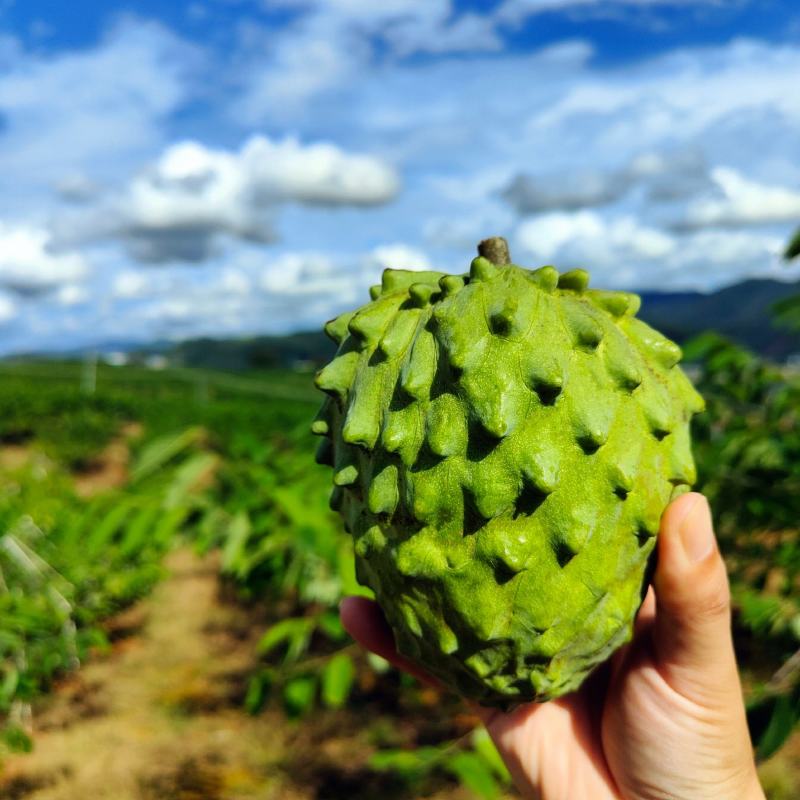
x,y
663,720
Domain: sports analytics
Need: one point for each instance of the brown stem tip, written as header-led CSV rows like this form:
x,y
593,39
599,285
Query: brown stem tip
x,y
495,249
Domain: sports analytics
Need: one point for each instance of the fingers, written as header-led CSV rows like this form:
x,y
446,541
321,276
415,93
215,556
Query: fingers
x,y
641,633
646,615
364,621
692,629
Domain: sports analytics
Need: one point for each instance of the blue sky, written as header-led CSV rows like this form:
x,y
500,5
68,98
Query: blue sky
x,y
230,167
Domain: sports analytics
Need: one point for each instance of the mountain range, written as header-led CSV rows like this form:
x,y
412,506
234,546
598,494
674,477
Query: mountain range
x,y
742,312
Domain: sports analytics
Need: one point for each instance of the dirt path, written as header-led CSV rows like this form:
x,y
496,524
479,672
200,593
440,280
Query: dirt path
x,y
109,470
160,718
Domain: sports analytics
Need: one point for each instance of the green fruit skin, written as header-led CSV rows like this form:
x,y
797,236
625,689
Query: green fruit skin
x,y
504,444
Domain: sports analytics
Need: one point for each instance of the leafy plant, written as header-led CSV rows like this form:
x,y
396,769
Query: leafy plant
x,y
68,566
747,445
793,248
474,761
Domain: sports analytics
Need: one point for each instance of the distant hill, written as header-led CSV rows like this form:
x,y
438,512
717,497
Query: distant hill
x,y
258,352
741,312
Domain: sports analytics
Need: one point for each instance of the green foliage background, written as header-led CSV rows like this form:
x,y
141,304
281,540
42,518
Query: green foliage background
x,y
68,563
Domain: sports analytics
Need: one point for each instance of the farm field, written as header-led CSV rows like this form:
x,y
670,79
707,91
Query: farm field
x,y
170,574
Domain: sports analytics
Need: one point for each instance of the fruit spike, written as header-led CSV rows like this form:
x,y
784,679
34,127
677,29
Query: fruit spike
x,y
446,427
545,277
400,333
450,284
383,493
336,378
395,280
368,324
618,304
503,445
482,269
416,374
420,294
336,329
577,280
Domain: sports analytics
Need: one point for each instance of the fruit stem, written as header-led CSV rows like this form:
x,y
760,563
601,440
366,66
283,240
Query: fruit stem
x,y
495,249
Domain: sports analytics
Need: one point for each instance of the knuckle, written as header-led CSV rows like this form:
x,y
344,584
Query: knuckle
x,y
714,605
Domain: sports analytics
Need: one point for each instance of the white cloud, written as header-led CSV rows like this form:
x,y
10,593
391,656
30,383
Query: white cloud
x,y
131,285
515,11
76,187
679,95
621,252
92,111
292,274
743,250
628,150
28,265
569,190
301,65
72,295
178,209
8,309
316,174
333,43
463,233
587,237
407,26
741,201
295,274
469,32
398,256
235,281
664,175
364,11
252,294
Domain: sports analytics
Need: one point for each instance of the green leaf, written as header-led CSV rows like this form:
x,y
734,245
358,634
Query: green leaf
x,y
473,772
257,691
9,685
299,694
16,740
484,746
235,542
787,312
407,764
331,624
188,477
771,720
793,248
138,531
295,633
378,664
104,533
162,451
337,680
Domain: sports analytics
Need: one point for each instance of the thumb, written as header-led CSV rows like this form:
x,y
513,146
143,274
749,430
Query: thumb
x,y
692,630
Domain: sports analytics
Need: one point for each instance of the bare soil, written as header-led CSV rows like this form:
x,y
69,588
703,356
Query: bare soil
x,y
15,456
160,717
109,470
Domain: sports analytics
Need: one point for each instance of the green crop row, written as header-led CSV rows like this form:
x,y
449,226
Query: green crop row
x,y
66,563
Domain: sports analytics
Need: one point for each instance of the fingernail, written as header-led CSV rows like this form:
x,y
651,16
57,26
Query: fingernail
x,y
697,530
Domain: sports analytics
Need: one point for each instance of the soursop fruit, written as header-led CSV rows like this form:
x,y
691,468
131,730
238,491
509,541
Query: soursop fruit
x,y
504,443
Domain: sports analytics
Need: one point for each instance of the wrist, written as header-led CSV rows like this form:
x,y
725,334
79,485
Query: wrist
x,y
755,792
